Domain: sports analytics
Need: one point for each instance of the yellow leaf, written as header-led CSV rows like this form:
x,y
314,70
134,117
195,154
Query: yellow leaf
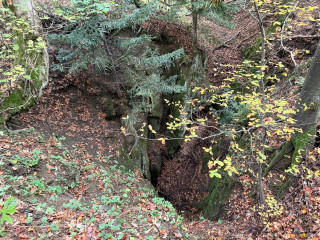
x,y
218,162
303,235
151,129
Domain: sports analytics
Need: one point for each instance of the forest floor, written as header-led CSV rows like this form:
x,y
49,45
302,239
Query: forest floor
x,y
65,174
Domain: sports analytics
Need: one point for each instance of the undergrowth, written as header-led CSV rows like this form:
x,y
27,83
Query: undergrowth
x,y
57,197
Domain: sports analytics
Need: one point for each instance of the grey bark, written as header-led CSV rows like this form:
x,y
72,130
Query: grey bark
x,y
194,22
307,110
310,96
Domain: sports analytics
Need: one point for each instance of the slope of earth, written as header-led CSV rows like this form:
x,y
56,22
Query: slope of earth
x,y
64,174
63,169
59,198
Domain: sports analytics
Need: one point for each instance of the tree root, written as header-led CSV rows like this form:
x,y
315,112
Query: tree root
x,y
286,149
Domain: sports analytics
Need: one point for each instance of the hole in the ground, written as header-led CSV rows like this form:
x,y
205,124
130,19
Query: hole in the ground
x,y
317,140
184,179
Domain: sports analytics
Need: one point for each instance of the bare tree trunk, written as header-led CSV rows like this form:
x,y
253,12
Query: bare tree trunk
x,y
308,106
306,117
194,22
261,114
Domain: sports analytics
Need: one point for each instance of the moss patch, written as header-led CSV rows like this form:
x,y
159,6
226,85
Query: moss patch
x,y
251,52
109,110
127,161
219,192
300,143
14,101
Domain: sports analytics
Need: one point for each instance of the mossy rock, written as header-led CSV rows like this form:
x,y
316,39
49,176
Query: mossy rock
x,y
191,72
219,192
110,110
13,104
219,188
252,52
137,156
173,145
126,161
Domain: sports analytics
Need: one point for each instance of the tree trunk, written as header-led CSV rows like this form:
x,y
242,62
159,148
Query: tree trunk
x,y
194,22
306,117
310,96
35,62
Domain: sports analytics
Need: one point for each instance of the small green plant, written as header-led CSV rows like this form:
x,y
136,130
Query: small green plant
x,y
29,220
36,157
73,204
42,138
8,208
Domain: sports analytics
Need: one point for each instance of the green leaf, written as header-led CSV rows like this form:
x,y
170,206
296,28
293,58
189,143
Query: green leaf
x,y
49,210
16,47
8,73
102,226
2,219
262,156
215,174
42,44
6,204
8,218
11,211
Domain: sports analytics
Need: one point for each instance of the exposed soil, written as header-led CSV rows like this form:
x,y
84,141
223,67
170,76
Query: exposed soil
x,y
184,179
78,116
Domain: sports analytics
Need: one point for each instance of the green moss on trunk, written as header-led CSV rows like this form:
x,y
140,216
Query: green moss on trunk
x,y
33,58
12,104
301,142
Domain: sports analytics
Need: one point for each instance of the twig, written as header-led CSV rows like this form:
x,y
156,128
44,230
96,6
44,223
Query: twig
x,y
281,38
301,36
261,114
114,74
15,131
225,43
